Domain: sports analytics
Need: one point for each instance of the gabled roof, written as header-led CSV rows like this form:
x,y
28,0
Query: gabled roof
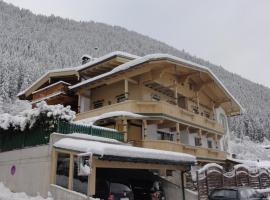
x,y
73,71
157,57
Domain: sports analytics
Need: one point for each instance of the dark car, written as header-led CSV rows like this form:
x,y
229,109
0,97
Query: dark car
x,y
235,193
113,190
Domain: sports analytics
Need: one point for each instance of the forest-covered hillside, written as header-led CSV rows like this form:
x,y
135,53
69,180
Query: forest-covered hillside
x,y
32,44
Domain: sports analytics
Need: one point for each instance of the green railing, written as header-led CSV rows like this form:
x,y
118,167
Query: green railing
x,y
66,128
40,135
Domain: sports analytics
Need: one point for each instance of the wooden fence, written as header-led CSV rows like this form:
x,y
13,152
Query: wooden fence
x,y
213,176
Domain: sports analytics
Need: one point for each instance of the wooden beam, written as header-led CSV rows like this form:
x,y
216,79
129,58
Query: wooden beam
x,y
133,81
126,89
144,129
183,78
71,172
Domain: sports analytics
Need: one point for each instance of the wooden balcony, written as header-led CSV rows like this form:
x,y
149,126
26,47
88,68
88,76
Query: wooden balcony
x,y
200,152
56,88
160,108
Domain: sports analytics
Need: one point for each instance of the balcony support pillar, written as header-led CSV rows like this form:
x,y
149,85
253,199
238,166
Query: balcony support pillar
x,y
144,129
126,89
125,129
176,95
178,132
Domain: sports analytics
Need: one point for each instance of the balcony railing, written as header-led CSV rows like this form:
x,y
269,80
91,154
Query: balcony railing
x,y
200,152
159,108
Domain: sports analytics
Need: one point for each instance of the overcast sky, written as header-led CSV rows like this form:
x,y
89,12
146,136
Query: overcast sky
x,y
231,33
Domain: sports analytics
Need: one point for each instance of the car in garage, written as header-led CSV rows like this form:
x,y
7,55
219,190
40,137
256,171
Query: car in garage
x,y
113,190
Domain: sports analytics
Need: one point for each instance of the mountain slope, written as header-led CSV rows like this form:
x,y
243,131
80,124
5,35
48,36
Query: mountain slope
x,y
32,44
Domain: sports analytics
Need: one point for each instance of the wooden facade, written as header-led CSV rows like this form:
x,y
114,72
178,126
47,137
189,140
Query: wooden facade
x,y
178,101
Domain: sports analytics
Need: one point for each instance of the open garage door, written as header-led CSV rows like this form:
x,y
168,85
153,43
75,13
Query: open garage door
x,y
138,182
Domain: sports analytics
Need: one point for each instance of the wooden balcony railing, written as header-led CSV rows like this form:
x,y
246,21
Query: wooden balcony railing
x,y
51,89
199,152
159,108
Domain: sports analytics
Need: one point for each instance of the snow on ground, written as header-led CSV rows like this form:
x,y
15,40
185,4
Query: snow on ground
x,y
6,194
245,149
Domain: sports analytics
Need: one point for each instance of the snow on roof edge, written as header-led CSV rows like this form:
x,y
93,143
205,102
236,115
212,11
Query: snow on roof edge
x,y
103,149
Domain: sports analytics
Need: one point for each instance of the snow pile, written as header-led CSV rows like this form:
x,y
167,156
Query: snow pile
x,y
6,194
29,117
99,148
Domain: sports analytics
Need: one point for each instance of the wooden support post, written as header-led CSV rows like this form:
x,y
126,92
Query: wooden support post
x,y
144,129
71,172
176,95
54,157
214,111
200,136
178,132
126,89
198,101
216,140
92,180
125,129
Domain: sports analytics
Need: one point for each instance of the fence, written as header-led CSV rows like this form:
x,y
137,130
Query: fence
x,y
213,176
39,135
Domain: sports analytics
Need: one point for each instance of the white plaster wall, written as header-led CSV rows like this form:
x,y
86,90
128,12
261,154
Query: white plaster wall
x,y
152,132
32,170
223,145
184,137
85,102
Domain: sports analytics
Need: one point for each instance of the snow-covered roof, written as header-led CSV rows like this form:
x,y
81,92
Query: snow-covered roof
x,y
92,120
48,97
123,151
49,86
154,57
106,57
93,138
81,67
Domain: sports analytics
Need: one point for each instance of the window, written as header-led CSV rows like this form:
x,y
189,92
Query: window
x,y
98,103
210,144
198,141
223,121
166,136
120,98
62,170
80,181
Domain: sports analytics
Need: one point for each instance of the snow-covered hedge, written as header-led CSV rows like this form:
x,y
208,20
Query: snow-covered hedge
x,y
43,113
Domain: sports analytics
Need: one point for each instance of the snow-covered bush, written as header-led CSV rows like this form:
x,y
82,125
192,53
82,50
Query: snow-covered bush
x,y
47,115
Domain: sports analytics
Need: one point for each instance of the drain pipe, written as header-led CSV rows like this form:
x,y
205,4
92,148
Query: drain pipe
x,y
183,187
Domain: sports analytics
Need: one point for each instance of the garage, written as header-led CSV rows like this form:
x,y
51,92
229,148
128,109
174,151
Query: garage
x,y
117,171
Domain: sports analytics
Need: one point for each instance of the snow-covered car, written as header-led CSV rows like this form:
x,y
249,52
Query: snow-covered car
x,y
236,193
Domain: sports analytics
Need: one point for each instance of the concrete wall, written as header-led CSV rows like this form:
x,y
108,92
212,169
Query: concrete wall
x,y
32,170
59,193
191,195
